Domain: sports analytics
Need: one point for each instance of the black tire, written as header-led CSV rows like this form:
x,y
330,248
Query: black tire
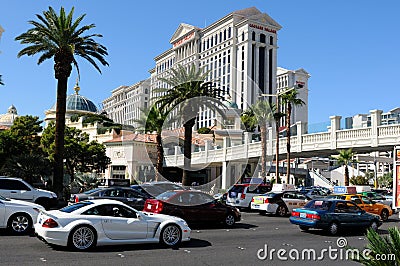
x,y
281,211
384,215
304,228
82,238
171,235
333,228
229,220
20,223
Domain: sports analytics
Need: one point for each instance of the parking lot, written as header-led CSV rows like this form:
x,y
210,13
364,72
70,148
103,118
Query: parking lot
x,y
244,244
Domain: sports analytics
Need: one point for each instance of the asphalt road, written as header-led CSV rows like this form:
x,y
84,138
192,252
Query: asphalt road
x,y
209,246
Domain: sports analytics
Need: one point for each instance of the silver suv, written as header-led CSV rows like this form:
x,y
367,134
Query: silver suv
x,y
17,188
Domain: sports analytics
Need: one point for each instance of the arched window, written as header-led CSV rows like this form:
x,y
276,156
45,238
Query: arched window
x,y
262,38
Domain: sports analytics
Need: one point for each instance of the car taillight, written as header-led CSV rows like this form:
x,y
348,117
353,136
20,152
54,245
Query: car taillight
x,y
159,207
313,216
76,199
252,200
295,214
243,196
152,205
50,223
266,200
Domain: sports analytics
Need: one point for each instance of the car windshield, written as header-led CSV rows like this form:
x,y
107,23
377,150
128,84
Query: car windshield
x,y
92,191
75,206
166,195
319,205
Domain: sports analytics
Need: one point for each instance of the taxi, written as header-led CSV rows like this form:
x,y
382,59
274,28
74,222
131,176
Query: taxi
x,y
280,203
368,205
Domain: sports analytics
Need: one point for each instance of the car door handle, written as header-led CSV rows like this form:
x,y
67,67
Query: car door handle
x,y
13,191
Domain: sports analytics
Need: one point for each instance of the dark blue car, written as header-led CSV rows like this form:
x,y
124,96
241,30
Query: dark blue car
x,y
333,215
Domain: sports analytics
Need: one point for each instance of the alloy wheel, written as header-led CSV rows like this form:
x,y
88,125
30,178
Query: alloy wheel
x,y
83,238
171,235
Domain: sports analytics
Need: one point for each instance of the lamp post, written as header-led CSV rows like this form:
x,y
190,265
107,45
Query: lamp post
x,y
277,123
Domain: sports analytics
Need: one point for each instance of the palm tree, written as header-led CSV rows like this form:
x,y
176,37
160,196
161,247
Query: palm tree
x,y
62,38
289,98
346,157
249,120
154,119
379,246
263,113
188,90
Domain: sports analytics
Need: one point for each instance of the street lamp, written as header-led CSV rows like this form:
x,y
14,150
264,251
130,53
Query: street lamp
x,y
277,120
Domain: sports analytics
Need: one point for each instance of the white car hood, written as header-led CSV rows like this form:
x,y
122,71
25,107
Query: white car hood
x,y
161,217
13,202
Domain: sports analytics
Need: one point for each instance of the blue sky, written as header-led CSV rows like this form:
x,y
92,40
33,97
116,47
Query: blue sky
x,y
350,48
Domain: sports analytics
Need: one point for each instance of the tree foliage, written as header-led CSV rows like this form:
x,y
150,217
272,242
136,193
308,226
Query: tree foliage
x,y
345,157
80,154
20,152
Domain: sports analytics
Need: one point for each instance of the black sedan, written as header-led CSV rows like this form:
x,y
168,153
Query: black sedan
x,y
333,215
193,206
126,195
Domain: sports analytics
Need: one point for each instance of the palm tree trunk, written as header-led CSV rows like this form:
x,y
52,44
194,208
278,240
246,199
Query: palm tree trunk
x,y
187,151
58,176
278,181
160,157
263,132
346,175
289,111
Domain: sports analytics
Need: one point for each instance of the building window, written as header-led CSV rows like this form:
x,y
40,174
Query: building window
x,y
271,40
253,36
229,32
262,38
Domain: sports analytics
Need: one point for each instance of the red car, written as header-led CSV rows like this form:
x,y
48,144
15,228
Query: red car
x,y
193,206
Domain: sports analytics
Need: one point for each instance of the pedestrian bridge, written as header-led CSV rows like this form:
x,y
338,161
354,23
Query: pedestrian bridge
x,y
377,137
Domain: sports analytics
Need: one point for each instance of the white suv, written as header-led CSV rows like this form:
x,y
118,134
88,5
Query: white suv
x,y
240,195
17,188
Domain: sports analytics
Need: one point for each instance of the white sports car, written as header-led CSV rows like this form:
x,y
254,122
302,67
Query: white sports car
x,y
98,222
17,215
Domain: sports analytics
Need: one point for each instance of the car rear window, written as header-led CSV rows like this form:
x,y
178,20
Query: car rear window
x,y
166,195
92,191
75,206
319,205
237,189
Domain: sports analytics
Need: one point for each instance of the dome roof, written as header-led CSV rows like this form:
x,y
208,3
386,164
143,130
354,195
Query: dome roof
x,y
8,118
76,102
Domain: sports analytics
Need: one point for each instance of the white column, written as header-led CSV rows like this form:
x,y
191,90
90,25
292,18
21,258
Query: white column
x,y
335,125
224,173
376,120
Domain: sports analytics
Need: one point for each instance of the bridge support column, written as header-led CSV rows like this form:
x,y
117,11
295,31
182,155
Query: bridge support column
x,y
300,126
376,120
335,126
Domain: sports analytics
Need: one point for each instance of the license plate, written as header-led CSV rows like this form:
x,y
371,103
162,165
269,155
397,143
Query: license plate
x,y
302,215
256,206
148,206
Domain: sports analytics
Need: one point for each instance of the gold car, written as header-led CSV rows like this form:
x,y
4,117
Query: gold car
x,y
366,204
